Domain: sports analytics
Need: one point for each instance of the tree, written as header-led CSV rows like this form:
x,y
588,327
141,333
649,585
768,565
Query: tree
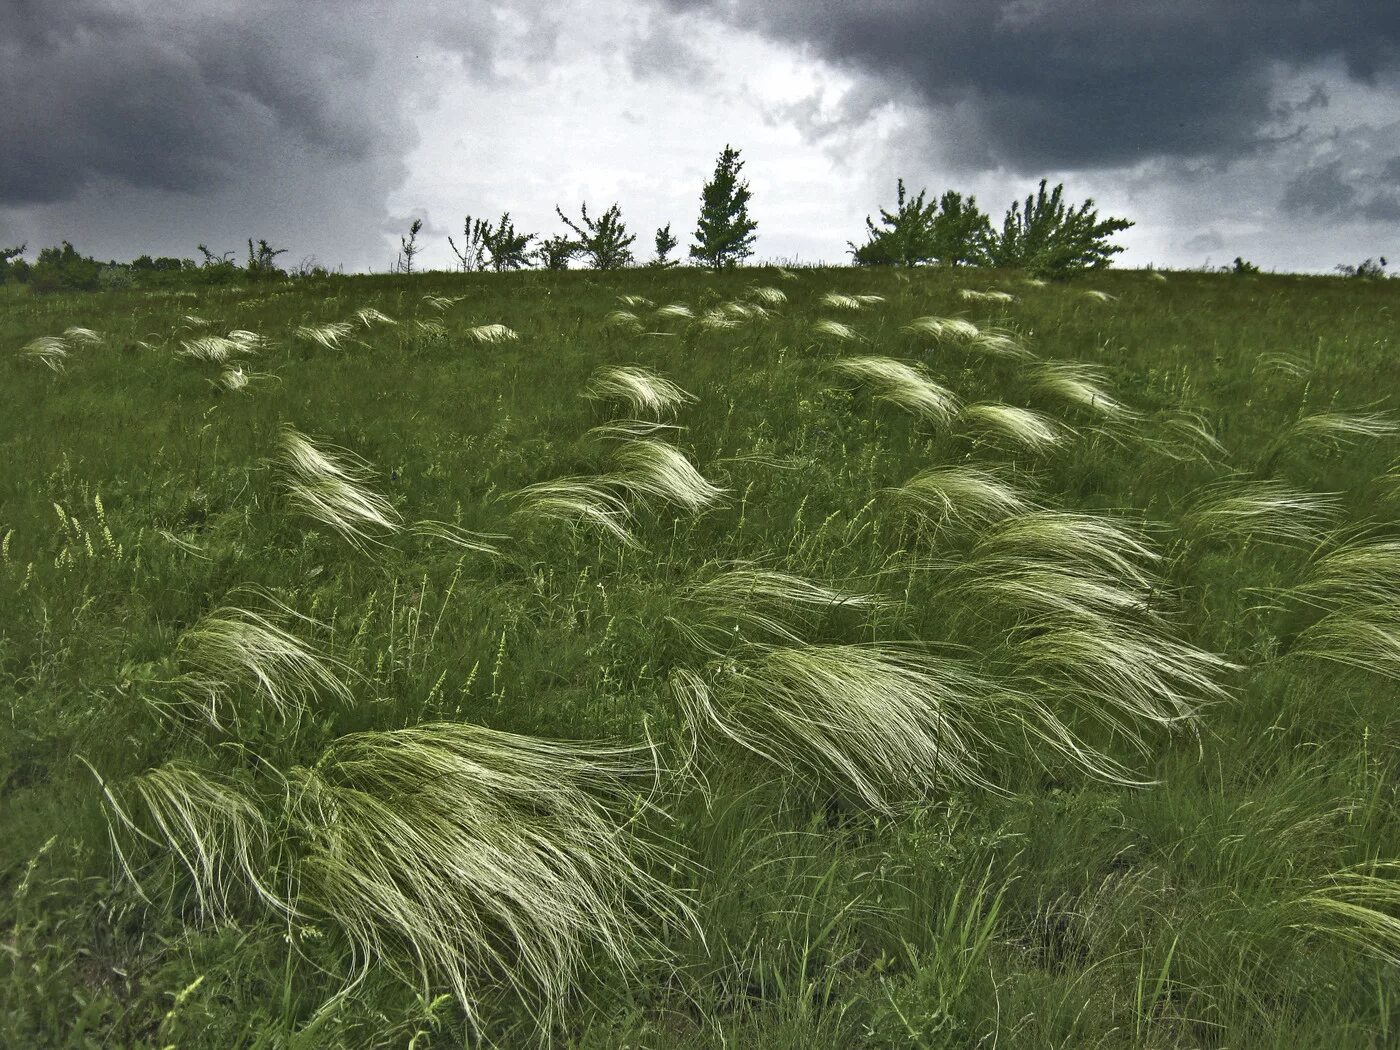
x,y
1367,268
7,255
604,240
665,245
724,234
508,249
952,231
410,247
1049,239
554,253
262,262
472,254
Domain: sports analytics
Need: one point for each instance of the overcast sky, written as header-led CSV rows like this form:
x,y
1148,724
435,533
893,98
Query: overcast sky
x,y
1263,128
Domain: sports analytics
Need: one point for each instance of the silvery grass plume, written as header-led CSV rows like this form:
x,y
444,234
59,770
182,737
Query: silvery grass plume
x,y
328,335
1358,905
369,316
1190,437
441,302
975,296
82,335
1342,428
579,503
1034,282
49,350
431,329
838,301
458,854
996,343
968,497
1088,543
1031,430
943,329
1048,593
768,296
643,391
888,723
1078,384
234,648
480,542
785,273
235,380
1357,585
1094,295
742,311
329,484
445,853
1156,275
652,469
194,321
624,319
835,329
635,301
491,333
906,386
674,312
746,603
1262,511
1293,365
1362,571
716,319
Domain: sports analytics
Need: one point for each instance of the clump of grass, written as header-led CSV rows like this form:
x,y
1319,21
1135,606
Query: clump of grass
x,y
1341,428
328,335
624,319
1087,542
369,317
578,503
1359,905
1094,295
674,312
330,485
1262,511
768,296
220,348
835,330
235,379
49,350
635,301
906,386
1078,384
975,296
838,301
997,343
86,336
643,391
233,648
653,469
944,329
966,496
1021,426
717,319
491,333
441,302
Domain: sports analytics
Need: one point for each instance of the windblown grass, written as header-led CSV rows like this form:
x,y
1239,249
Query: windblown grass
x,y
906,386
331,485
643,391
968,497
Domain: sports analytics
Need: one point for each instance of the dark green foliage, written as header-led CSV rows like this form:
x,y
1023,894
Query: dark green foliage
x,y
952,231
724,234
10,258
262,261
1242,267
409,247
63,269
1366,269
1047,238
498,246
604,241
665,245
554,253
474,250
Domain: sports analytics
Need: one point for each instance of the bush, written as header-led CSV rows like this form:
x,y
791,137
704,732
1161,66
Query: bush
x,y
1366,269
952,231
63,269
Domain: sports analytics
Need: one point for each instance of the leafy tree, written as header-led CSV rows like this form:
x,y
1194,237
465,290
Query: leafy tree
x,y
64,269
409,247
508,249
1242,267
1049,239
262,262
665,245
554,253
725,233
8,267
952,230
604,240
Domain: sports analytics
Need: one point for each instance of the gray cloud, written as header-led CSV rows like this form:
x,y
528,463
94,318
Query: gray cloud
x,y
1070,84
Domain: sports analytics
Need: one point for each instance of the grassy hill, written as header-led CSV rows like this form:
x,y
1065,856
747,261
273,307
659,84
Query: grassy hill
x,y
831,675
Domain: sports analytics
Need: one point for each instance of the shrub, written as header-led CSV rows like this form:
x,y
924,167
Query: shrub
x,y
950,230
604,240
1367,268
1046,238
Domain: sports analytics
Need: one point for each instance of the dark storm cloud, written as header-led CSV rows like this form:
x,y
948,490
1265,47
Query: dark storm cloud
x,y
1347,191
1089,83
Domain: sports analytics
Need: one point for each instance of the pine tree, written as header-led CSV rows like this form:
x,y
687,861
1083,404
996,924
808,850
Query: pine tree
x,y
724,234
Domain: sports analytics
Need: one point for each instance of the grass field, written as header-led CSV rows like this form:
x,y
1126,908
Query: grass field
x,y
1025,683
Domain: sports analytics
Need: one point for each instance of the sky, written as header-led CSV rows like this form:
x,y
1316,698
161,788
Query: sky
x,y
1268,129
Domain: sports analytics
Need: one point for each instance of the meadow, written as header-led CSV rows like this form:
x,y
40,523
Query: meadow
x,y
661,658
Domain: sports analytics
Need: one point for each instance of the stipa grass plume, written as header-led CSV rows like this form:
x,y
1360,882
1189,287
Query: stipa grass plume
x,y
742,311
943,329
768,296
964,496
455,854
1363,571
653,469
1087,542
86,336
1189,436
1342,428
233,648
835,330
635,301
49,350
717,319
674,312
328,335
577,502
1047,592
1096,296
441,302
975,296
838,301
747,604
235,379
1358,635
1262,511
491,333
1078,384
1020,426
643,391
330,485
369,317
906,386
624,319
996,343
1359,905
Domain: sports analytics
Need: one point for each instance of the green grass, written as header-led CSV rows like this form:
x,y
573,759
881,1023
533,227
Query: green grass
x,y
372,678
